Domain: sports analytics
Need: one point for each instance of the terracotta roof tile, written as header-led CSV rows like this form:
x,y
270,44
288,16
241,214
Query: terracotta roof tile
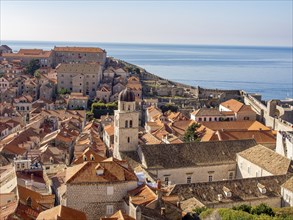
x,y
61,212
79,49
233,105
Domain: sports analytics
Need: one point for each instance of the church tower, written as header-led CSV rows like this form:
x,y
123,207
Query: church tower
x,y
126,120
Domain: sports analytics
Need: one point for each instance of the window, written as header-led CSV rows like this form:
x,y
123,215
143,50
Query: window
x,y
126,124
130,123
22,165
128,107
84,158
204,119
248,170
231,175
110,190
199,119
128,139
166,180
216,119
188,179
109,210
210,178
210,119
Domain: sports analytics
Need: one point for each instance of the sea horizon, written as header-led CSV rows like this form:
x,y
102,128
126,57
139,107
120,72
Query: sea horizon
x,y
266,70
154,43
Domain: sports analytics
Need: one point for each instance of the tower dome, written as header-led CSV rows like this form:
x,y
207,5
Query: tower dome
x,y
126,95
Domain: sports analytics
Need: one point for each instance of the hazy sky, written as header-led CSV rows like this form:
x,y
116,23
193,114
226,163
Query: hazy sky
x,y
197,22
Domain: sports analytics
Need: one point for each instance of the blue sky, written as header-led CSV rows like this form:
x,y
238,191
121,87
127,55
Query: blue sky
x,y
181,22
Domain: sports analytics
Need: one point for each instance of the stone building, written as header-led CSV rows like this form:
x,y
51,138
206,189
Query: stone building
x,y
285,144
241,111
126,123
79,55
192,162
26,55
135,85
287,192
261,161
4,84
98,189
81,78
5,49
211,114
77,101
47,91
103,94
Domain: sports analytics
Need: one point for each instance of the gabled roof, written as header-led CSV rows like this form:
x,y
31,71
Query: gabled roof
x,y
289,184
233,105
109,129
261,137
61,212
88,153
242,190
148,138
142,195
234,125
114,171
268,159
207,112
79,49
171,156
38,200
118,216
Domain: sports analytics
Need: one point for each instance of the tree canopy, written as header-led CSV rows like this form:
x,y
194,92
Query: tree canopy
x,y
191,134
32,66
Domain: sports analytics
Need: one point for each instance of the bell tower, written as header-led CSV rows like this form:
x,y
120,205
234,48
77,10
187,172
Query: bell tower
x,y
126,120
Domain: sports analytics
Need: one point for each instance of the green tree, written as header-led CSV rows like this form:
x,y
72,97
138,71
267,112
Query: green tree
x,y
63,91
32,66
243,207
191,135
262,209
169,107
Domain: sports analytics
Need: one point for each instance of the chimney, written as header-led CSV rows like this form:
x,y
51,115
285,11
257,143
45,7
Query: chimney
x,y
159,184
179,204
163,210
32,179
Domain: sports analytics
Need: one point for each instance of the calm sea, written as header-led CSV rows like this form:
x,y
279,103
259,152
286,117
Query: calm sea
x,y
264,70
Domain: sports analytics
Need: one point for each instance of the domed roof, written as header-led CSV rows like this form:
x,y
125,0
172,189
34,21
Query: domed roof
x,y
126,95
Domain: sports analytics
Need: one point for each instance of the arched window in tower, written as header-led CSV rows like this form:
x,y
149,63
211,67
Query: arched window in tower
x,y
130,123
84,158
126,124
92,157
128,139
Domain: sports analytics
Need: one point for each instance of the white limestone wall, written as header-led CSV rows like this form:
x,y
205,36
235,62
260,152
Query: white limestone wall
x,y
197,174
287,197
247,169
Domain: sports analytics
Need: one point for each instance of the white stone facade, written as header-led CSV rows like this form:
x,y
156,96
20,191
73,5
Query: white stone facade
x,y
247,169
196,174
126,122
285,144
